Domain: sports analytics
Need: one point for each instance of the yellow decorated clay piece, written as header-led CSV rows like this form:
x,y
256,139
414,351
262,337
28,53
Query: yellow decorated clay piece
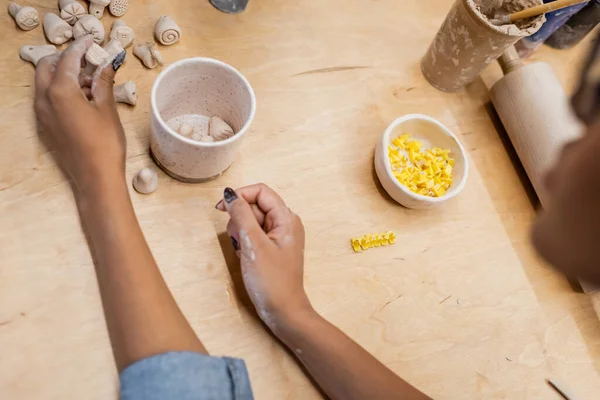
x,y
427,172
373,240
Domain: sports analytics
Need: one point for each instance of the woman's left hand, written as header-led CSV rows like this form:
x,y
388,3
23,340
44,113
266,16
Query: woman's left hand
x,y
79,116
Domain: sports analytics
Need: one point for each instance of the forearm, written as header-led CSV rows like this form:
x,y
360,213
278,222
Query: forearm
x,y
342,368
141,314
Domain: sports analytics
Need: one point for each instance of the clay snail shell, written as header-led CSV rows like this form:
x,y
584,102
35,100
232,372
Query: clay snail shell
x,y
71,11
167,31
149,54
126,93
145,181
57,31
113,47
118,8
34,54
219,129
94,57
88,25
97,7
26,18
122,33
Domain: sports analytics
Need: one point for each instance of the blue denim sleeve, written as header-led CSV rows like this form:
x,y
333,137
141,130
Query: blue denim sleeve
x,y
186,376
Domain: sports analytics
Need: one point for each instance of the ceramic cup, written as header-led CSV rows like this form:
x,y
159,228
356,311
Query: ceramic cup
x,y
205,87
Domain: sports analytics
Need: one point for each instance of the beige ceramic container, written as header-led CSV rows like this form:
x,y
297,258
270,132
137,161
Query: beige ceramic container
x,y
467,42
203,87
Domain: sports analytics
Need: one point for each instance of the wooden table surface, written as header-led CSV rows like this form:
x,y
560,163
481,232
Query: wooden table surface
x,y
460,306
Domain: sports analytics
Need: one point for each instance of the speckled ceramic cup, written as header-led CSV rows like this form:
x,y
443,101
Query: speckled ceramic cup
x,y
199,86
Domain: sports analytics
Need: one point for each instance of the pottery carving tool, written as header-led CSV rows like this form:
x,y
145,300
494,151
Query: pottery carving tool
x,y
502,19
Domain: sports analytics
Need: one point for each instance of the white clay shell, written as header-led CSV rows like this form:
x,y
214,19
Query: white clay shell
x,y
118,8
26,18
71,11
148,54
186,130
167,31
126,93
145,181
34,54
113,47
88,25
219,129
206,139
94,57
97,7
57,30
122,33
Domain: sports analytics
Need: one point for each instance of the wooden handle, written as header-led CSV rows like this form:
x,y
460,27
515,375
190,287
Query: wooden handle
x,y
543,9
510,60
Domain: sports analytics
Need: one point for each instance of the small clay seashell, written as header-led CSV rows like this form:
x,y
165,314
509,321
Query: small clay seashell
x,y
118,8
34,54
94,57
126,93
88,25
71,11
26,18
145,181
149,54
122,33
113,47
57,31
97,7
219,129
167,31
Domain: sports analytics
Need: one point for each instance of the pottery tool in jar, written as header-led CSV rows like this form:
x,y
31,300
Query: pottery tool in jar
x,y
467,41
506,18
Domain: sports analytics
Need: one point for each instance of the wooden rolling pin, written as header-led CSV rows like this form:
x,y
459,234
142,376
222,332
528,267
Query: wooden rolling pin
x,y
536,114
537,117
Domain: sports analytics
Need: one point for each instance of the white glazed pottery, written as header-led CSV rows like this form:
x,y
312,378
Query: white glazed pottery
x,y
433,134
199,86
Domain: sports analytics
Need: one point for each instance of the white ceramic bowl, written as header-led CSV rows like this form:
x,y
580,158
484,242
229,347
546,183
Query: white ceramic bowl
x,y
199,86
433,134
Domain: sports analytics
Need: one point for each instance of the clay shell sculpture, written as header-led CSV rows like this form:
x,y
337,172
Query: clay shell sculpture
x,y
149,54
26,18
167,31
118,8
122,33
34,54
71,11
219,129
126,93
88,25
57,31
97,7
94,57
145,181
113,47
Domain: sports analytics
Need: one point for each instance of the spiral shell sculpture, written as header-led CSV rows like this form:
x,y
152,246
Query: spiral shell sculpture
x,y
167,31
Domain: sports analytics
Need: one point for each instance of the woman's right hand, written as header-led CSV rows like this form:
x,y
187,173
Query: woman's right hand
x,y
269,240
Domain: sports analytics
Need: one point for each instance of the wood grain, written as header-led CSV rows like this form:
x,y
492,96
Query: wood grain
x,y
329,77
